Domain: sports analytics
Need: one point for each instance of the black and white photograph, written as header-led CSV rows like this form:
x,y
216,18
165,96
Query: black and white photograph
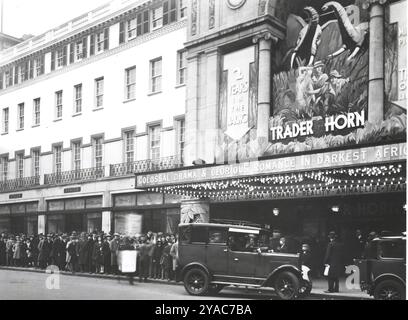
x,y
222,151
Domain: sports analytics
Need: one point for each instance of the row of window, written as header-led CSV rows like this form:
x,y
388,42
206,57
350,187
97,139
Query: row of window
x,y
139,24
130,92
97,151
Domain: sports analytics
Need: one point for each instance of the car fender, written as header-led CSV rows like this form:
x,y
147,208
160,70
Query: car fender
x,y
194,265
271,277
388,276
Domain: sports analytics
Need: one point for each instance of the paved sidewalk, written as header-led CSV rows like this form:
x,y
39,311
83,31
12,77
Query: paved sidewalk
x,y
319,285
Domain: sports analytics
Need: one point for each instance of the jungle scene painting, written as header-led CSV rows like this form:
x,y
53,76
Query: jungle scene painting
x,y
320,85
320,88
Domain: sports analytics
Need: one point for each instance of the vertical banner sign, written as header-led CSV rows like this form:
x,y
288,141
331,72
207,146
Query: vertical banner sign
x,y
398,14
238,65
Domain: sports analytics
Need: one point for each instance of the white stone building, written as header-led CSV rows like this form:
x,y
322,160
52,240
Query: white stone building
x,y
83,108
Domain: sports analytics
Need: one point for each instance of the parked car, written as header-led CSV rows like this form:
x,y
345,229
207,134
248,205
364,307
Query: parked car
x,y
383,275
215,255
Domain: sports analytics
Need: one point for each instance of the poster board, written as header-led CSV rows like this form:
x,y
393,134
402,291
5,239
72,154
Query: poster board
x,y
127,260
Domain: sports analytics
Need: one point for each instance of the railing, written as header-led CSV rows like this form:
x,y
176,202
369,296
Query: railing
x,y
124,169
19,184
67,177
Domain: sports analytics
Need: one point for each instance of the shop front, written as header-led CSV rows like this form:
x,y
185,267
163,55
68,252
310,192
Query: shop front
x,y
77,214
137,213
19,218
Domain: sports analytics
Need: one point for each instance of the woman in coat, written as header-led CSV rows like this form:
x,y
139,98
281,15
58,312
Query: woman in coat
x,y
166,261
17,254
174,255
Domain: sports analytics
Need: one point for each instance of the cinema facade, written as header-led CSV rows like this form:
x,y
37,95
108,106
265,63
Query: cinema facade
x,y
295,116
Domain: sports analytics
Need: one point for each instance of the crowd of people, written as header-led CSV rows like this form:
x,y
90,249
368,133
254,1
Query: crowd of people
x,y
93,253
157,253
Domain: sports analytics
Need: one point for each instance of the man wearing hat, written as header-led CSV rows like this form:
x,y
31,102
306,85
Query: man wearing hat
x,y
370,251
114,248
334,260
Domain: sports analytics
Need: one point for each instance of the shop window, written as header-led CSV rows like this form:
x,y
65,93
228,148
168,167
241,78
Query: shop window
x,y
18,208
147,199
172,198
32,207
4,224
173,220
94,202
94,222
125,200
56,205
74,204
32,225
55,223
5,209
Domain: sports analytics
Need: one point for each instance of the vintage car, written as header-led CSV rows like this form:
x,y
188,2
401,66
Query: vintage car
x,y
215,255
383,274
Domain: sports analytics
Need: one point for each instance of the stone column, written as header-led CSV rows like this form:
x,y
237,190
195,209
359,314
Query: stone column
x,y
264,41
42,218
209,131
106,215
195,210
376,60
42,222
192,111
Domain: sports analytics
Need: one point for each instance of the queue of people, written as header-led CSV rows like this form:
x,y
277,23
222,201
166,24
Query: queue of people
x,y
94,253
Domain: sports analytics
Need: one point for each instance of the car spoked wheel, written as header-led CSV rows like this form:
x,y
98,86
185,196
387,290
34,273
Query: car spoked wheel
x,y
196,282
389,290
287,285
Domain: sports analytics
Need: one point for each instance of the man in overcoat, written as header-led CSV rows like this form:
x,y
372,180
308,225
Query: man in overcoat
x,y
114,247
334,258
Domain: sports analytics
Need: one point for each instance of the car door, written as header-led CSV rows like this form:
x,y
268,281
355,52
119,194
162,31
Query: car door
x,y
217,251
241,261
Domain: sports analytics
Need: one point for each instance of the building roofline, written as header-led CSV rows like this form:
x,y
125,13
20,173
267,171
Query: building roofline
x,y
67,29
9,37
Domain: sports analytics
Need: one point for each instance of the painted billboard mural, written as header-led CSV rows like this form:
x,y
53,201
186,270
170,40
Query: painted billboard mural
x,y
320,94
320,85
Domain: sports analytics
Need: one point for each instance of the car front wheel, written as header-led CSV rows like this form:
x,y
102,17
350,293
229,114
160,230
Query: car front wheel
x,y
389,290
287,285
196,282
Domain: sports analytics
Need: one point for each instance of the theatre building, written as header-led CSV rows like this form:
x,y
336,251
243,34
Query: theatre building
x,y
85,106
295,116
